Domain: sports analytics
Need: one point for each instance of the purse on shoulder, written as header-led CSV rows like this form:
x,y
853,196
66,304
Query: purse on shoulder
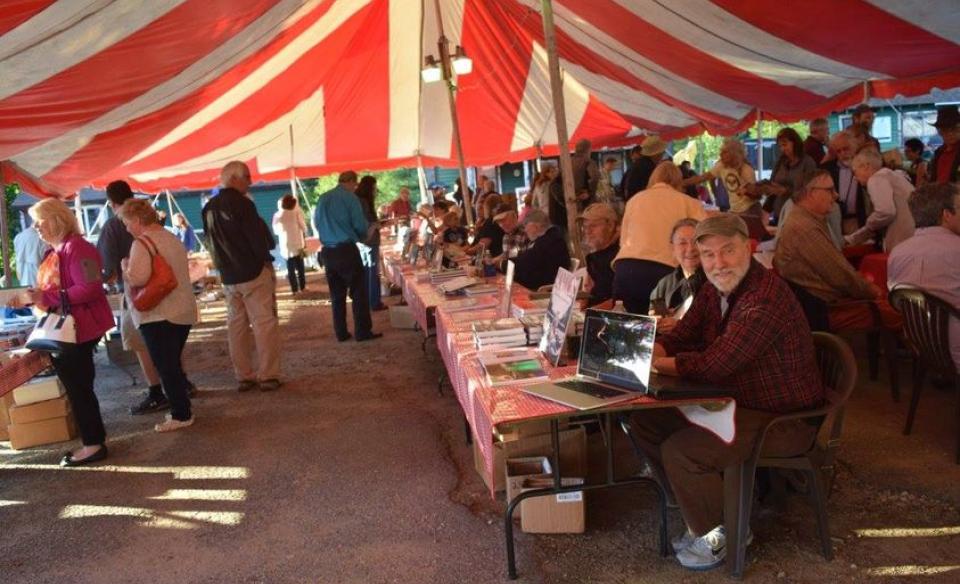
x,y
161,283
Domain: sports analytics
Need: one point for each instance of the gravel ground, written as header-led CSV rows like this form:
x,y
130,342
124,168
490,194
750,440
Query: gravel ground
x,y
357,471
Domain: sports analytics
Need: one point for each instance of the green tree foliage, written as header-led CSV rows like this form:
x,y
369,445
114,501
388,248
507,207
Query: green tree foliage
x,y
388,185
13,227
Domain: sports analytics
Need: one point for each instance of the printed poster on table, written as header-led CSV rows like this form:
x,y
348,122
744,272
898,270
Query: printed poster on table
x,y
556,321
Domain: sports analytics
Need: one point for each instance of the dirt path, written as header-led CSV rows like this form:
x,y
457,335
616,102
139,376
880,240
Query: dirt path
x,y
357,471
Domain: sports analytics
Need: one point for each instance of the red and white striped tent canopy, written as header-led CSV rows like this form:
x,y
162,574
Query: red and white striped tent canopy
x,y
163,92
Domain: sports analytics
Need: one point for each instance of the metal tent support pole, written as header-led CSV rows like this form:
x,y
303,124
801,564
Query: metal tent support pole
x,y
447,71
560,113
759,144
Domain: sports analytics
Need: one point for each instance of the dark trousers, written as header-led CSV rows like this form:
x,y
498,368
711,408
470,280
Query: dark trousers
x,y
634,280
346,275
165,341
295,274
694,458
370,257
76,371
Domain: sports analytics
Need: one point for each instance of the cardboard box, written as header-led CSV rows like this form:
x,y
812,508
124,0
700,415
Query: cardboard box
x,y
401,317
573,455
37,390
561,513
520,469
36,412
42,432
5,402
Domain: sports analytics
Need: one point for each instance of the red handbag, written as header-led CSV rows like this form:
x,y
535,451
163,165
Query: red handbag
x,y
161,283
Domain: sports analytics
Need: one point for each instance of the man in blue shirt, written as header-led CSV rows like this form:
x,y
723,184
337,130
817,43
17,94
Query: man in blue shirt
x,y
340,223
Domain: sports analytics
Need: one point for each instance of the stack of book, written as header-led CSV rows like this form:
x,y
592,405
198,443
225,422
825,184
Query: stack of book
x,y
533,327
499,333
462,304
523,307
454,284
512,366
441,276
481,289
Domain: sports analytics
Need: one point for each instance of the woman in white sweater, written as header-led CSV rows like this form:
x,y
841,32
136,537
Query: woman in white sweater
x,y
166,326
291,230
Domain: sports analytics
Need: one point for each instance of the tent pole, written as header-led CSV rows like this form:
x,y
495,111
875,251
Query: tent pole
x,y
78,211
445,67
5,235
293,166
425,193
759,144
560,113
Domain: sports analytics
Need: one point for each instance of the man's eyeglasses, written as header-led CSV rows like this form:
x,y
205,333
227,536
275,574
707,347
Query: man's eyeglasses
x,y
828,189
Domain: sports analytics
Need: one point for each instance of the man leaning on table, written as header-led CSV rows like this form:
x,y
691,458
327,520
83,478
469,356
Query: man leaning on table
x,y
746,332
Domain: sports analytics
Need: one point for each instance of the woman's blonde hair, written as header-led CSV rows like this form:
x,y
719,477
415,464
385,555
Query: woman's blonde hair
x,y
60,220
139,209
666,172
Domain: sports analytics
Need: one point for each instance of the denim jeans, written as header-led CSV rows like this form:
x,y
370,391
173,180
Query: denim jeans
x,y
165,342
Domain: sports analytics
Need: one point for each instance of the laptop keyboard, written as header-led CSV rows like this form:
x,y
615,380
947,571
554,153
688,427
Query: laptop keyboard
x,y
593,389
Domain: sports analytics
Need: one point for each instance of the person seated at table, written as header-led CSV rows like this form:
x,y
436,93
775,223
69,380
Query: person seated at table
x,y
538,265
674,289
400,207
601,232
488,233
452,237
888,191
422,230
930,260
645,253
515,240
807,257
747,333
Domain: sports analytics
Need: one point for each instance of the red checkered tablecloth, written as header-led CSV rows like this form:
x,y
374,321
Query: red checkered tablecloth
x,y
20,370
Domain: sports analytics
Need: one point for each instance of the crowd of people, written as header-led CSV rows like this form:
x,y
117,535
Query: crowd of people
x,y
653,248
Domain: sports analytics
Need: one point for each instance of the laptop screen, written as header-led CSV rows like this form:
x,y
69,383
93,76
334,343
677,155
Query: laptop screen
x,y
617,348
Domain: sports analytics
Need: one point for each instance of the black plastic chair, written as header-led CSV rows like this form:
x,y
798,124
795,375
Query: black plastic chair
x,y
838,372
926,322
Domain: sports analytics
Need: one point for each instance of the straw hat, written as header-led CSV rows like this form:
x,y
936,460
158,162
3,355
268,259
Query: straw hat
x,y
653,146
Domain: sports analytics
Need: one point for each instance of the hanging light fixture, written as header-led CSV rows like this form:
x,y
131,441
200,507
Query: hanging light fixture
x,y
431,72
462,64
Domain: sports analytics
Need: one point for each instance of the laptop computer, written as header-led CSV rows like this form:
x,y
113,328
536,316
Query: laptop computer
x,y
616,354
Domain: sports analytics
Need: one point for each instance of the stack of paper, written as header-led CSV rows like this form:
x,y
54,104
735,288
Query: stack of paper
x,y
533,327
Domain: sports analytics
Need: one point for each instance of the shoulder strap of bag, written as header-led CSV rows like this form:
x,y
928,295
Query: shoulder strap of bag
x,y
150,246
64,299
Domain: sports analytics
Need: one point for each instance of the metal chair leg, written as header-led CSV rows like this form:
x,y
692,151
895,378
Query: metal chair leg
x,y
918,377
890,352
818,497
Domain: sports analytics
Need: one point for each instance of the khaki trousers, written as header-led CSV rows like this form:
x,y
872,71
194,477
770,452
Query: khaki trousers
x,y
252,319
693,458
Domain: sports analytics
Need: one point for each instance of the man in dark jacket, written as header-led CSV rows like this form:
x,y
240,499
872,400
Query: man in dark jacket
x,y
945,166
538,265
646,157
240,242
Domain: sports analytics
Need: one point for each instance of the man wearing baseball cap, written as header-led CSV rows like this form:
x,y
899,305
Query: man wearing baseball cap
x,y
746,332
945,166
515,240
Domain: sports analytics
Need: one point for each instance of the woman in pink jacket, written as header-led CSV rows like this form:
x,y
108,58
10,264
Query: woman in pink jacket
x,y
79,276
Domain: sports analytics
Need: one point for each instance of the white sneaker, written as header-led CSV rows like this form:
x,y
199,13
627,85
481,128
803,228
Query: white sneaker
x,y
705,552
170,425
682,542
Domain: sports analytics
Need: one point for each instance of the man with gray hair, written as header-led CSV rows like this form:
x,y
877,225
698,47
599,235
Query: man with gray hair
x,y
930,260
340,224
746,332
888,190
852,195
240,243
538,264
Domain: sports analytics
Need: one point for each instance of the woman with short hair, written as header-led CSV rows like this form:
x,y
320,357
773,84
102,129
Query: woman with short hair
x,y
890,221
79,277
646,254
164,327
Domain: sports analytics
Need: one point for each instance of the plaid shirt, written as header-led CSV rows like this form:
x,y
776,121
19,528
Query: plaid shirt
x,y
761,348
